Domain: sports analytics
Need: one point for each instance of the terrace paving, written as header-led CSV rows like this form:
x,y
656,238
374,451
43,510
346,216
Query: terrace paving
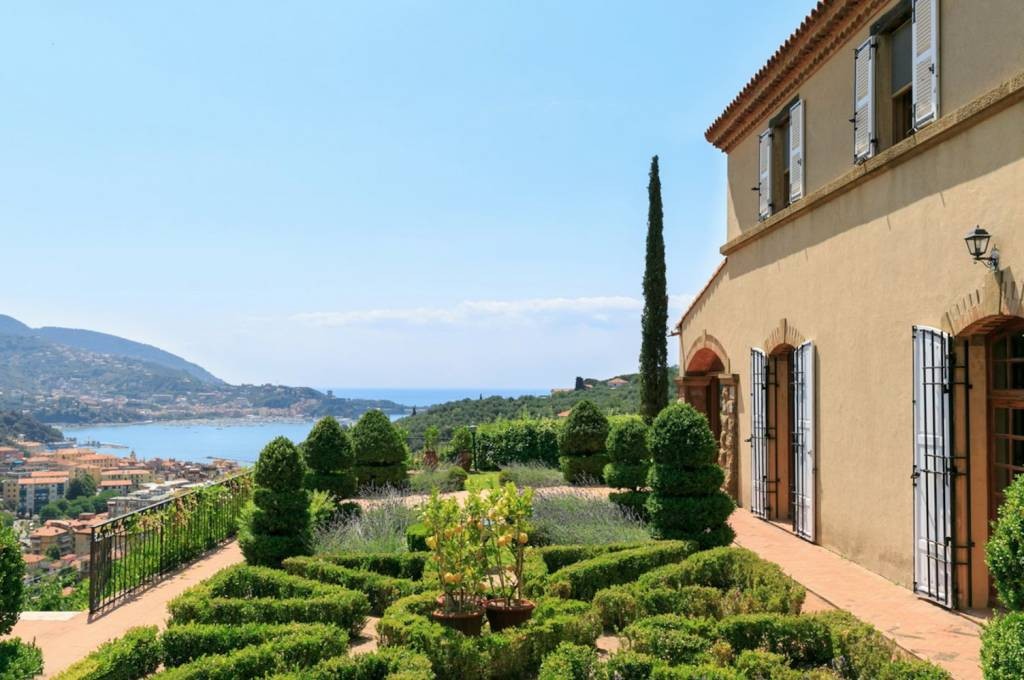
x,y
66,641
919,627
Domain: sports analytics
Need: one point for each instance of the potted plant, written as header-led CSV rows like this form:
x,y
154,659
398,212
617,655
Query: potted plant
x,y
457,552
430,438
504,539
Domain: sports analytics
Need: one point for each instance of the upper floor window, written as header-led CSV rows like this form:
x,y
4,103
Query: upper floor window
x,y
781,160
895,79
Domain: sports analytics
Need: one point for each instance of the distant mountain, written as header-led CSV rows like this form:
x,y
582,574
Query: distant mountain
x,y
104,343
63,375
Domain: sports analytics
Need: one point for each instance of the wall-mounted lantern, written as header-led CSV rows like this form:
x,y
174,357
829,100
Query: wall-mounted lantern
x,y
977,240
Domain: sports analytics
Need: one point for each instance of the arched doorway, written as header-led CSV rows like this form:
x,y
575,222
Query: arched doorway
x,y
707,384
702,387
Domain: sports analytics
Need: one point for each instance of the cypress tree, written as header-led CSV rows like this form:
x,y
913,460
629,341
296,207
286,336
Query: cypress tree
x,y
654,323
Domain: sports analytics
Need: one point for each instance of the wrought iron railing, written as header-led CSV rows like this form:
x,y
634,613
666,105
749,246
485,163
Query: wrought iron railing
x,y
135,550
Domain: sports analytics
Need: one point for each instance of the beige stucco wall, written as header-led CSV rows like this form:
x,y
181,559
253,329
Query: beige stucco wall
x,y
854,274
980,46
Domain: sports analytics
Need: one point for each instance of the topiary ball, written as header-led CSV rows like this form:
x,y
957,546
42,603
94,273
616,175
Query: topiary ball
x,y
584,432
1004,552
680,435
627,440
280,466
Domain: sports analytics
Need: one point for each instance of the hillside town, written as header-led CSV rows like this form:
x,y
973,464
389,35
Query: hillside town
x,y
39,480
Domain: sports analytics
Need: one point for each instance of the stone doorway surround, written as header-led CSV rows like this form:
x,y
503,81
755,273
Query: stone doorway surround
x,y
690,386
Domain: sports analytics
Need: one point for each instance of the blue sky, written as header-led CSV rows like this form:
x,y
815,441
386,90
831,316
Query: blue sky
x,y
366,194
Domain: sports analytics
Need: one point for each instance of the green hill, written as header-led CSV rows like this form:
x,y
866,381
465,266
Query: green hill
x,y
450,415
14,426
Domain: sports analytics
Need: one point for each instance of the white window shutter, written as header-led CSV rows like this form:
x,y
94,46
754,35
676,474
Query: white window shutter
x,y
925,51
796,151
864,100
764,174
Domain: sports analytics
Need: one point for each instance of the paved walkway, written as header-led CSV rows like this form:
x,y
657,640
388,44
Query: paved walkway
x,y
66,641
925,630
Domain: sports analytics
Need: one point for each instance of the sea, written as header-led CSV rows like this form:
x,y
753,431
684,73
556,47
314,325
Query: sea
x,y
241,440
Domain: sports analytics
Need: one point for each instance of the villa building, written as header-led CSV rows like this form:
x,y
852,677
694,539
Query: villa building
x,y
862,368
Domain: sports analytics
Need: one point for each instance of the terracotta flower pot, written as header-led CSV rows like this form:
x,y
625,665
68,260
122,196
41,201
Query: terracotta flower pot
x,y
467,623
501,614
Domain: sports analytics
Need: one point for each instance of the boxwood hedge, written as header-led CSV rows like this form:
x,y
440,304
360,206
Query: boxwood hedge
x,y
289,652
558,556
583,579
244,594
381,590
1002,648
134,655
512,653
391,663
399,565
187,642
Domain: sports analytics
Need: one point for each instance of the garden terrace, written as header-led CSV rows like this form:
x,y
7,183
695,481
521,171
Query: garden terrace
x,y
678,613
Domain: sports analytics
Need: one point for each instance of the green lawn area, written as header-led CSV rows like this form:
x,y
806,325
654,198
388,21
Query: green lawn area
x,y
482,480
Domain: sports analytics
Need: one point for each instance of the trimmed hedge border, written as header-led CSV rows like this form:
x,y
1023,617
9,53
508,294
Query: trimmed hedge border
x,y
134,655
512,653
558,556
582,580
830,642
397,565
187,642
382,591
288,653
244,594
393,663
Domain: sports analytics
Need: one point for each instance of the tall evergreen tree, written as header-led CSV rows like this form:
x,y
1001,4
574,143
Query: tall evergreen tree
x,y
654,341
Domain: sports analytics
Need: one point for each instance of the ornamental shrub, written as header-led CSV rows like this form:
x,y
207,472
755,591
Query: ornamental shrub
x,y
512,653
392,663
291,652
329,456
686,501
186,642
804,640
381,590
627,451
19,659
524,440
583,579
570,662
244,594
1004,552
276,523
581,441
584,432
134,655
398,565
380,452
12,574
628,665
558,556
1002,647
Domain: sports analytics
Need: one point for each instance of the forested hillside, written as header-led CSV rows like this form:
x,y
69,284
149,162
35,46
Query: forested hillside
x,y
611,400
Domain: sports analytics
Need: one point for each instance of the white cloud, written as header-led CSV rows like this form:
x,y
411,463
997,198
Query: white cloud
x,y
602,309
